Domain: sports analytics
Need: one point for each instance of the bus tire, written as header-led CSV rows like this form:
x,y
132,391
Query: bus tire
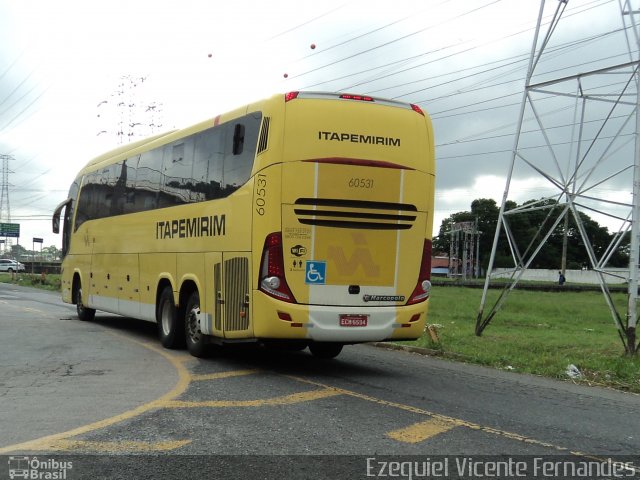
x,y
196,340
170,326
325,350
84,313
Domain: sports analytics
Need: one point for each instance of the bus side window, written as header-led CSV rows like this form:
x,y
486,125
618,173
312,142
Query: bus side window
x,y
68,216
207,165
148,180
177,169
238,160
88,202
130,174
105,191
117,188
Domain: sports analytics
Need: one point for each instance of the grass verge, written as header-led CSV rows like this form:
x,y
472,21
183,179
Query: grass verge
x,y
45,282
541,333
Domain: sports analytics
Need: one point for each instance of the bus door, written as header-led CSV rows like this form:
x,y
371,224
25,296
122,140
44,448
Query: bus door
x,y
231,281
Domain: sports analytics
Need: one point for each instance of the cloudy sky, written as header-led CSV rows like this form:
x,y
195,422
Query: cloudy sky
x,y
65,66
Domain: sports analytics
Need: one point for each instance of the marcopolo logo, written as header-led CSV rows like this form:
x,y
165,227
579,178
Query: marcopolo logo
x,y
383,298
35,468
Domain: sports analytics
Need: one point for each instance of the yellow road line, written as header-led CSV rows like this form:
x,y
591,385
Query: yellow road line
x,y
454,422
183,381
219,375
116,447
284,400
419,432
33,310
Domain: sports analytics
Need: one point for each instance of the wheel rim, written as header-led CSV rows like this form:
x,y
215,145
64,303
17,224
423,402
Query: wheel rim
x,y
166,319
193,325
80,304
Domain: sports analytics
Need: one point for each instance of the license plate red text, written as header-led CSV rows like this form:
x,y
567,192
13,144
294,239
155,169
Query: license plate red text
x,y
354,320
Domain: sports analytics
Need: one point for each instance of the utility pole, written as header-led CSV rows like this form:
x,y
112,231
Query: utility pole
x,y
5,206
466,237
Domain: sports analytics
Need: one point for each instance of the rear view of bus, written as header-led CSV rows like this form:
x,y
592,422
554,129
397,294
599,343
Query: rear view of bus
x,y
347,257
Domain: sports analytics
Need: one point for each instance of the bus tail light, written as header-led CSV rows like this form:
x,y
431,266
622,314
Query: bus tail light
x,y
272,272
423,286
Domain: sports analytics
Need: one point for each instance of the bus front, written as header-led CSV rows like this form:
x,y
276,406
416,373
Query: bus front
x,y
347,257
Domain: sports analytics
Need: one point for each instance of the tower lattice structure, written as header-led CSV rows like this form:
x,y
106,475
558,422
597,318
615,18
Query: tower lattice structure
x,y
5,206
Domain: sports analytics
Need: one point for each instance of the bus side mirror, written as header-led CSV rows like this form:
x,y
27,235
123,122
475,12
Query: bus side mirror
x,y
56,223
55,220
238,139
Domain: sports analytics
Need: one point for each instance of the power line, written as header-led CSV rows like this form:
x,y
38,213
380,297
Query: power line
x,y
544,145
385,44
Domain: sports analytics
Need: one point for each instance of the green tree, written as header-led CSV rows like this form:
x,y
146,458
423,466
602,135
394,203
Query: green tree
x,y
52,253
525,227
18,251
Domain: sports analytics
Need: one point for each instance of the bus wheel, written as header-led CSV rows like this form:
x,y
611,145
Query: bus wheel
x,y
196,340
84,313
170,328
325,349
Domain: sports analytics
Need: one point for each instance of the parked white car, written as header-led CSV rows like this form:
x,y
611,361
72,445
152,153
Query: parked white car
x,y
8,265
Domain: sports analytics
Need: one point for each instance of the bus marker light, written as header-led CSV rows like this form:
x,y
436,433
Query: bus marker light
x,y
284,316
417,109
298,325
362,98
291,95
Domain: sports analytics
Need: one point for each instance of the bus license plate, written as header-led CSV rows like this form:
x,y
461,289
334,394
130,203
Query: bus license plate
x,y
354,320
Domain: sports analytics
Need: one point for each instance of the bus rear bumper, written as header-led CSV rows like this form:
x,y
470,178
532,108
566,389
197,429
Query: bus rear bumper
x,y
323,323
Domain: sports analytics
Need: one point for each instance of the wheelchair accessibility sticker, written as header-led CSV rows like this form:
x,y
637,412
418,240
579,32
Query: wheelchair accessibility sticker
x,y
315,272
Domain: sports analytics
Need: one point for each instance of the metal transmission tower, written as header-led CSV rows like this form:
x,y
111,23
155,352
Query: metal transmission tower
x,y
130,113
5,206
463,250
585,145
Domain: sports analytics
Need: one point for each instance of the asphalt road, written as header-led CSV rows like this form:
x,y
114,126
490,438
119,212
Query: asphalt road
x,y
106,397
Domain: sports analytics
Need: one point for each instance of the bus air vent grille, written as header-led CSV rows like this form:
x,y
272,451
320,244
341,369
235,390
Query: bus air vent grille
x,y
263,141
217,288
236,287
369,215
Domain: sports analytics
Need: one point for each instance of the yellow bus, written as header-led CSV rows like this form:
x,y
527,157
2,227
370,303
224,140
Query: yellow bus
x,y
303,220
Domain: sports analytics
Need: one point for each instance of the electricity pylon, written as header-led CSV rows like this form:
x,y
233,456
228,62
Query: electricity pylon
x,y
5,206
600,151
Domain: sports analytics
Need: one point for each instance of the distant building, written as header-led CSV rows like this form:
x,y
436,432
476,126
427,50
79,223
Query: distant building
x,y
439,266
